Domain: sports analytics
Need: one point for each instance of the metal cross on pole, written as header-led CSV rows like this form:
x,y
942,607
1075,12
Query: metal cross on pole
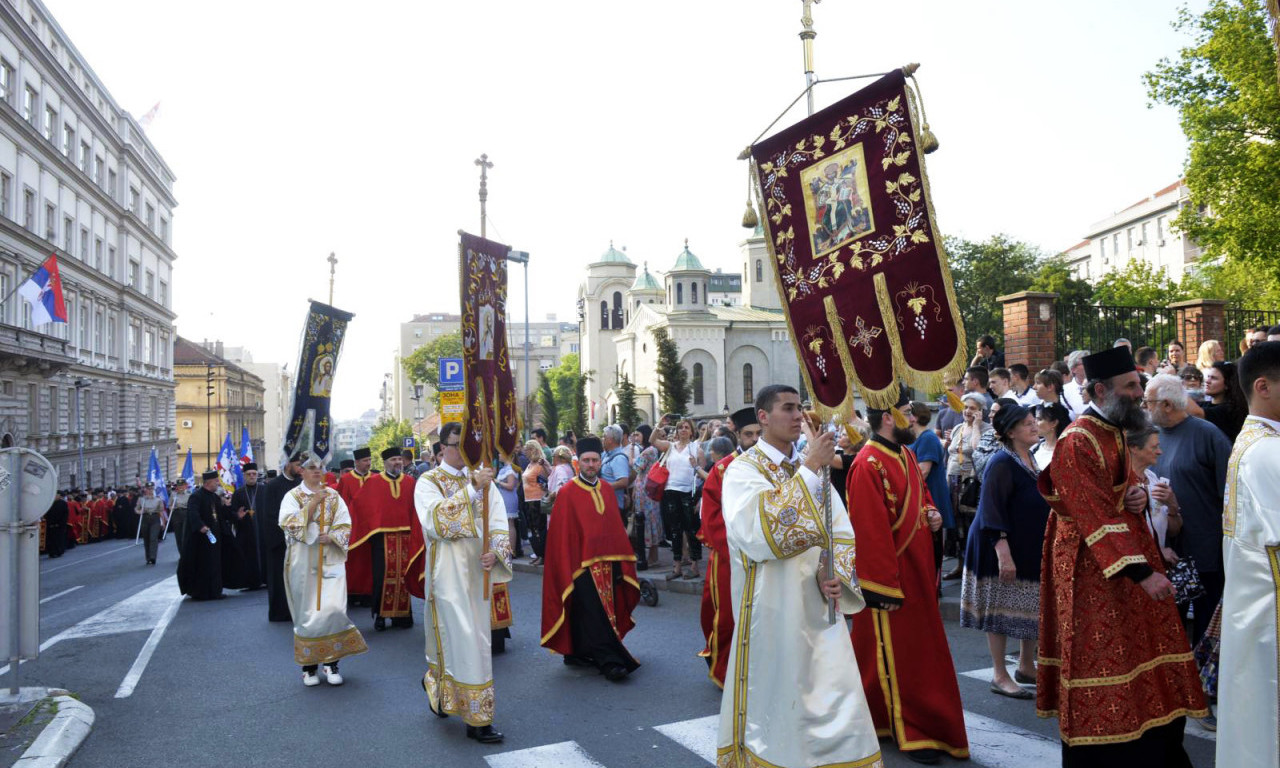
x,y
485,165
333,270
807,34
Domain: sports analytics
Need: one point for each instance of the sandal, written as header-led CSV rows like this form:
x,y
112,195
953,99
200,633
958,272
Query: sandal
x,y
676,574
1021,693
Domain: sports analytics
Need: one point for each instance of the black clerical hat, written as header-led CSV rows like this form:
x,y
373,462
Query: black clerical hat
x,y
249,466
272,473
347,464
1116,361
744,418
390,453
210,475
361,453
590,444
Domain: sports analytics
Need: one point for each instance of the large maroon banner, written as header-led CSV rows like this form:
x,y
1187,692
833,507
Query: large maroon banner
x,y
490,426
855,245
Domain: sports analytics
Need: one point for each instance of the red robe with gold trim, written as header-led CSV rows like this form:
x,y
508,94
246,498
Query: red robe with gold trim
x,y
76,522
359,565
386,507
1113,662
586,533
717,589
907,672
100,519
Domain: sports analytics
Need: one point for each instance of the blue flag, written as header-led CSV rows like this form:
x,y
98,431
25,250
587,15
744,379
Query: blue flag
x,y
246,448
155,477
229,466
188,472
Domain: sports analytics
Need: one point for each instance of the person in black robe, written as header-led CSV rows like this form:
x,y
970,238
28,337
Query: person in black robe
x,y
200,566
55,521
271,542
126,516
247,504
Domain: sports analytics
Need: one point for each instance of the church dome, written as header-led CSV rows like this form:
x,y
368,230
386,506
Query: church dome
x,y
645,282
613,256
687,262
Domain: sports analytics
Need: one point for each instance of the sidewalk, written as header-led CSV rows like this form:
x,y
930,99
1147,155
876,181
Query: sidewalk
x,y
43,727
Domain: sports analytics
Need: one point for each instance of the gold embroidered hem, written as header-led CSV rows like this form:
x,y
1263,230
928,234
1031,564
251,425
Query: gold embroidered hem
x,y
1117,566
330,648
729,757
1103,530
1089,682
1081,741
473,703
564,596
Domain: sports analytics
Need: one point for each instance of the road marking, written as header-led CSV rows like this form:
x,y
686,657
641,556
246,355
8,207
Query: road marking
x,y
60,594
698,735
566,754
115,551
995,744
144,656
986,673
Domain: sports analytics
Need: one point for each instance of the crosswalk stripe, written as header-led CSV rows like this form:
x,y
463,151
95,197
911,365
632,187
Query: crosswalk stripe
x,y
995,744
698,735
566,754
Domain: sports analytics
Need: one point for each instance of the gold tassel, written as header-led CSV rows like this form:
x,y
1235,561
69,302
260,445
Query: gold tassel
x,y
899,418
928,141
955,402
749,218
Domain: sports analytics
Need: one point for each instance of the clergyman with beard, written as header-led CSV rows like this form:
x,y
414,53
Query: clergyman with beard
x,y
1115,667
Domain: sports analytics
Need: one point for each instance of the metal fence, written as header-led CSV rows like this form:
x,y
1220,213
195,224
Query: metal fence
x,y
1084,326
1239,319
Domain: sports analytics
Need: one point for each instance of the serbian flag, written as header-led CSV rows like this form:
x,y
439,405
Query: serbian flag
x,y
43,291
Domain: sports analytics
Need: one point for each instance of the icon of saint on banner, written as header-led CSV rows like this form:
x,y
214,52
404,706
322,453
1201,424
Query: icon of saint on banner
x,y
837,200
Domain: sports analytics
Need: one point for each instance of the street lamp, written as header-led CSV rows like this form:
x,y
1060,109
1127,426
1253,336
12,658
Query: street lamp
x,y
80,476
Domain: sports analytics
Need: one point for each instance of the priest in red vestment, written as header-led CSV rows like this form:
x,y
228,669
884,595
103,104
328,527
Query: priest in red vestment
x,y
589,585
100,517
384,526
359,562
717,589
907,672
1115,667
75,519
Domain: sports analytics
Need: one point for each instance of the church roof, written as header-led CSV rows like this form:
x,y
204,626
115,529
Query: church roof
x,y
613,256
646,282
686,261
748,314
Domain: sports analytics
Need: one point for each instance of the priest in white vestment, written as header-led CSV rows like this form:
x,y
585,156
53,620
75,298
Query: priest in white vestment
x,y
316,528
448,499
1248,694
793,697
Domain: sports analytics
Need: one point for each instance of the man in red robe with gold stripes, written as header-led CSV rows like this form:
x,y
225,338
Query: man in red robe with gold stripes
x,y
907,672
1115,667
359,562
589,585
384,526
717,589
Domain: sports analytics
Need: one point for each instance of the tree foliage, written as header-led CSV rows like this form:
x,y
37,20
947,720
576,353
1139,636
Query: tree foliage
x,y
1054,276
423,365
673,379
549,407
985,270
386,434
1224,88
1138,284
627,412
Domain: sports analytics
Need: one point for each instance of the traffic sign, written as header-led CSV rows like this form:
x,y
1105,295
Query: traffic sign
x,y
409,442
451,374
451,403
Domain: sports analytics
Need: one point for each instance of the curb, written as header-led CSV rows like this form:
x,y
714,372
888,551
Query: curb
x,y
62,736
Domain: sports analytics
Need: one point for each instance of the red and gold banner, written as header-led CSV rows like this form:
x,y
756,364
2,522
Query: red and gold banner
x,y
490,425
857,251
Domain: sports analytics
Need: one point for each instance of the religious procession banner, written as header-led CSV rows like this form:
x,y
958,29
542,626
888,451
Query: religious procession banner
x,y
309,423
857,252
490,425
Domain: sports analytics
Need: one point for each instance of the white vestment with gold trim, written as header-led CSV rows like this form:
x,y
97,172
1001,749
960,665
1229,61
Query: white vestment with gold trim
x,y
459,678
792,696
1248,695
315,577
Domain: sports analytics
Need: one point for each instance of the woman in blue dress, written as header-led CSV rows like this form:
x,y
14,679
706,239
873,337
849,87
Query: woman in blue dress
x,y
1001,590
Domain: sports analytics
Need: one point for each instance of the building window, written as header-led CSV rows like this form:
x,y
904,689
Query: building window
x,y
151,284
164,229
97,253
748,384
693,293
97,331
84,245
6,183
111,262
1102,245
50,123
29,106
679,293
68,140
133,200
759,270
697,383
164,294
98,166
1115,245
1128,237
6,81
85,151
617,311
111,334
111,184
84,326
50,222
133,275
68,233
135,343
29,209
1160,230
151,216
150,351
604,315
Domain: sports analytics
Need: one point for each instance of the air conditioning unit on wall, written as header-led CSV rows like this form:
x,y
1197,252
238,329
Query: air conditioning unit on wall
x,y
186,423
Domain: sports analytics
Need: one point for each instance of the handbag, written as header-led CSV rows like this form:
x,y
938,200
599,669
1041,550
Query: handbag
x,y
1186,581
970,492
656,481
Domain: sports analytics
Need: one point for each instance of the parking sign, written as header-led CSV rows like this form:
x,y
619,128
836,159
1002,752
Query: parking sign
x,y
450,374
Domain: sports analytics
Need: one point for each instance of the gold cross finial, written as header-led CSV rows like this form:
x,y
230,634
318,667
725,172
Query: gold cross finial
x,y
485,165
333,269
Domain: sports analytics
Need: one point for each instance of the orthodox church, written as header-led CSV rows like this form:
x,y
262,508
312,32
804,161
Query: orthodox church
x,y
729,351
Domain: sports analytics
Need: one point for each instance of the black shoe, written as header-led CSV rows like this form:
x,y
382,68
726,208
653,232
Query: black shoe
x,y
576,661
615,672
483,734
379,624
441,715
924,756
956,573
643,565
497,645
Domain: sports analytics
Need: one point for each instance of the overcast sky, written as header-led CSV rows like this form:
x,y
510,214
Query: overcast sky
x,y
300,128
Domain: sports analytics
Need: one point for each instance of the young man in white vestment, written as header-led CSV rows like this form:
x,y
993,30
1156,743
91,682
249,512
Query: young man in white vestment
x,y
316,528
1248,714
448,499
793,697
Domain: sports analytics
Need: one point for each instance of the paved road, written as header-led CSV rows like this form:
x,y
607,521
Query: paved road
x,y
216,686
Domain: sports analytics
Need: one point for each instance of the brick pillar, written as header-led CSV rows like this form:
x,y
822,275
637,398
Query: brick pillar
x,y
1029,328
1199,320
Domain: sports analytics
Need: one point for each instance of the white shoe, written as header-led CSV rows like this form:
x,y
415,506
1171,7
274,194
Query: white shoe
x,y
310,679
331,675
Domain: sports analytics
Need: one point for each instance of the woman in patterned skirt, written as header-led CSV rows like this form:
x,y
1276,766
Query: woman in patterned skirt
x,y
644,506
1001,590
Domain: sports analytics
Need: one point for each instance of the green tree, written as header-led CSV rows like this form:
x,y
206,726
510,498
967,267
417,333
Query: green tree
x,y
1054,276
673,379
1139,284
1233,281
578,405
983,271
1224,88
423,366
386,434
549,407
627,413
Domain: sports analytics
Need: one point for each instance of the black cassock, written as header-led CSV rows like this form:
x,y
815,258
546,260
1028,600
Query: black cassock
x,y
271,545
251,498
125,517
55,528
200,568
